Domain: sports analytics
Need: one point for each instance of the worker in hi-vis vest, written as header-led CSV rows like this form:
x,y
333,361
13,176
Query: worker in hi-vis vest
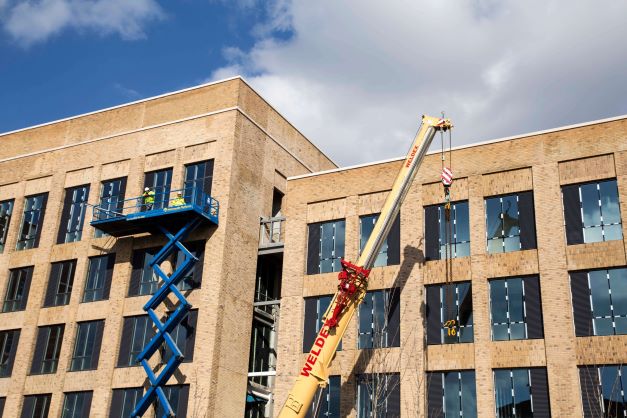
x,y
148,198
178,200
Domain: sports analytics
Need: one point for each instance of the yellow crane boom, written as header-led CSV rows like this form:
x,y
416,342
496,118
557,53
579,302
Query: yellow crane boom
x,y
354,279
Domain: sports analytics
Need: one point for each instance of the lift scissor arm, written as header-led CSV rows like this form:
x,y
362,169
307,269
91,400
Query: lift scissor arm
x,y
354,279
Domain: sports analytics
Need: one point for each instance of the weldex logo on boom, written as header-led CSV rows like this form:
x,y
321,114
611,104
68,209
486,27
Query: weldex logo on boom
x,y
411,156
315,351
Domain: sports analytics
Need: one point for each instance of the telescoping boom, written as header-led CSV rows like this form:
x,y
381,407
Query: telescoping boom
x,y
354,279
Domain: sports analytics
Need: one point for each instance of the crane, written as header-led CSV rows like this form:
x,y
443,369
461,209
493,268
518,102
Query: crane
x,y
353,279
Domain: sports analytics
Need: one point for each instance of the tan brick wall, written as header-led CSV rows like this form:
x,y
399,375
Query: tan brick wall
x,y
541,163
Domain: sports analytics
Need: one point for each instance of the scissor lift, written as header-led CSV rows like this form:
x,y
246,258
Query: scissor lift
x,y
164,215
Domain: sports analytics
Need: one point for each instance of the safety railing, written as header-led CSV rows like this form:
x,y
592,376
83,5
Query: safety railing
x,y
271,232
154,200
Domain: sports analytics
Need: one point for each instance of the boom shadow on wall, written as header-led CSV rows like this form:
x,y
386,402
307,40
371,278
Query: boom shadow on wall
x,y
411,257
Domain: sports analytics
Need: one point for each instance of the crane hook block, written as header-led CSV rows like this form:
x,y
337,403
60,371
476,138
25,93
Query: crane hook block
x,y
352,279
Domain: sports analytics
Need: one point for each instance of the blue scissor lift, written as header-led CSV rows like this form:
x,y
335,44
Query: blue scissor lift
x,y
175,218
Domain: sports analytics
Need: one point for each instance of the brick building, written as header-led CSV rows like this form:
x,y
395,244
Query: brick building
x,y
72,318
538,291
538,287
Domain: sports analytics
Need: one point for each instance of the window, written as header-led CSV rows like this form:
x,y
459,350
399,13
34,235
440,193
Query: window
x,y
515,309
328,400
6,209
451,394
193,279
77,404
436,231
8,348
144,280
99,276
521,393
17,289
449,313
603,390
379,319
111,200
32,220
390,253
177,396
60,283
510,223
123,402
315,309
87,346
198,179
184,335
325,247
592,212
73,215
136,333
600,301
2,402
47,349
159,182
379,395
36,406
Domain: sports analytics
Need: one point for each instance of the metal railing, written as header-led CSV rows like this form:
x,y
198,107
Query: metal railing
x,y
271,232
160,200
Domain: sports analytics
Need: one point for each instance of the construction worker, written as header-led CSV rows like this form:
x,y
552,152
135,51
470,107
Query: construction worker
x,y
178,200
148,199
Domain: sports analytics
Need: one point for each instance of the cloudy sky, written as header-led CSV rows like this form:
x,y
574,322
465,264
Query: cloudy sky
x,y
354,75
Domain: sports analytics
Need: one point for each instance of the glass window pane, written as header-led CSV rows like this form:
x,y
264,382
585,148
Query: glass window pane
x,y
590,204
469,396
609,202
599,288
495,245
518,331
452,405
462,250
618,284
592,234
367,224
621,325
462,229
500,332
503,394
493,218
498,301
522,394
512,244
613,232
510,216
515,296
326,240
339,239
603,326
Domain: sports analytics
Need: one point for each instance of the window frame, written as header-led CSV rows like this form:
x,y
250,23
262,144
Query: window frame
x,y
395,393
43,349
444,333
84,404
60,283
73,214
33,215
6,211
23,276
95,292
388,337
439,393
8,350
316,235
433,225
89,355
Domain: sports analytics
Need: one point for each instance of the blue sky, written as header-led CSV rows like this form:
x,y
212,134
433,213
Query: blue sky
x,y
354,76
77,71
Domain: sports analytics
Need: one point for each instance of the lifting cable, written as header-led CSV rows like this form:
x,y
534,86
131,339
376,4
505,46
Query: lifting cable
x,y
450,320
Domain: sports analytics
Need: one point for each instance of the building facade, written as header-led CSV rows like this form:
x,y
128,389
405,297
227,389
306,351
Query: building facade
x,y
525,317
515,307
72,320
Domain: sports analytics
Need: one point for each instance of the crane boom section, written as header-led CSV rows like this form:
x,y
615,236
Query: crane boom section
x,y
315,371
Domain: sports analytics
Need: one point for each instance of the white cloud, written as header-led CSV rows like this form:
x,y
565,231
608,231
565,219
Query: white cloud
x,y
32,21
356,75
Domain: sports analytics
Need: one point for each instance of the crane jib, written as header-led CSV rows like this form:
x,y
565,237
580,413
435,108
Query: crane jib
x,y
353,280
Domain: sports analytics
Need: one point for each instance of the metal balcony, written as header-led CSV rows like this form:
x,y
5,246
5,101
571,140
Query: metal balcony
x,y
271,235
